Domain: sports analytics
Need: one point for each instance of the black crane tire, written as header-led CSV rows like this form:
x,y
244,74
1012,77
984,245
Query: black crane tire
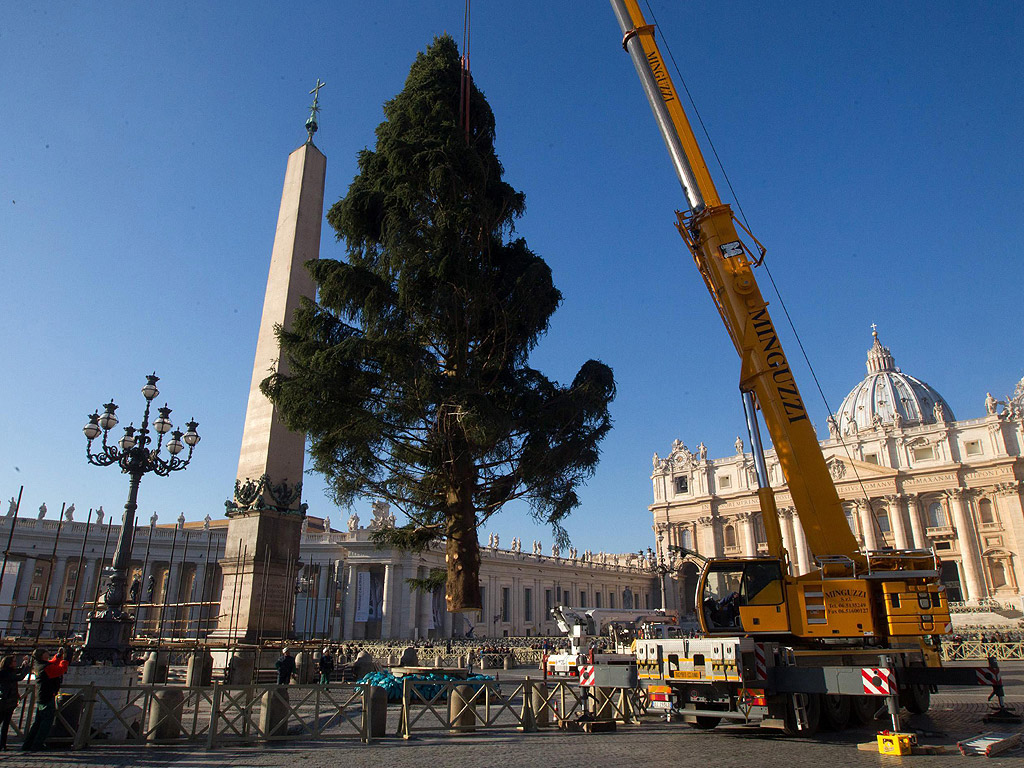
x,y
835,712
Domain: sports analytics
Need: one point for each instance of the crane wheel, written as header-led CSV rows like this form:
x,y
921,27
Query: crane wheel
x,y
864,708
705,722
916,699
835,712
812,711
701,722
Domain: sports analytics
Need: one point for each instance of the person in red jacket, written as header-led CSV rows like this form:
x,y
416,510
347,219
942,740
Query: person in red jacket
x,y
49,673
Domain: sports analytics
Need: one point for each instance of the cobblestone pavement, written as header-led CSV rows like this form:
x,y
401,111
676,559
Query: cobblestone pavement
x,y
652,745
955,714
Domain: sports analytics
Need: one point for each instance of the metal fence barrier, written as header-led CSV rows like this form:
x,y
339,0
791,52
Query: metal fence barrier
x,y
962,650
457,706
217,715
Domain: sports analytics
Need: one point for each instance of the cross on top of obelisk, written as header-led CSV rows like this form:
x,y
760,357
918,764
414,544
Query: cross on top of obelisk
x,y
314,109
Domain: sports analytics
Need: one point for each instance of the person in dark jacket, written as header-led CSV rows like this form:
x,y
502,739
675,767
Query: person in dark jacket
x,y
285,667
9,677
326,665
48,673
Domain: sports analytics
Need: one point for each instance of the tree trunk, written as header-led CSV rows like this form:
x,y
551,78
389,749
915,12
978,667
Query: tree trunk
x,y
462,552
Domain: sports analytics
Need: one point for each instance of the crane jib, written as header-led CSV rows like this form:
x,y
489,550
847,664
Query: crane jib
x,y
775,358
661,77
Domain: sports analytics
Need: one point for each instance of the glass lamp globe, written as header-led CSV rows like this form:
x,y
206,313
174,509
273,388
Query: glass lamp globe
x,y
163,423
191,437
175,446
108,420
128,441
150,391
92,429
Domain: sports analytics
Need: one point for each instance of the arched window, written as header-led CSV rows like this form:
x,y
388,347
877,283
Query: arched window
x,y
848,511
686,538
730,536
882,517
936,515
997,563
986,512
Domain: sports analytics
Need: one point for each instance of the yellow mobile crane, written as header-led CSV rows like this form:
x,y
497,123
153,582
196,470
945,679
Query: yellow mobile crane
x,y
853,594
805,644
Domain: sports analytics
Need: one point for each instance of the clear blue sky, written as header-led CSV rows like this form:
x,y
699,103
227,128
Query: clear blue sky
x,y
876,149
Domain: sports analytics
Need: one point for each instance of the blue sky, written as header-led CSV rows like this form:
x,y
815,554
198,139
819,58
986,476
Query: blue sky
x,y
875,148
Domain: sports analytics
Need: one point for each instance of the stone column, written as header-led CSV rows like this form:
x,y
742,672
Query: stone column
x,y
416,627
195,613
25,575
399,602
710,540
1011,512
517,617
349,608
51,608
749,537
388,604
914,512
493,607
967,536
788,539
322,609
867,525
172,595
899,526
806,558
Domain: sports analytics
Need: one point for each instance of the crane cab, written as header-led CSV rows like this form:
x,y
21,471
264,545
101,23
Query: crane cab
x,y
895,596
755,596
746,595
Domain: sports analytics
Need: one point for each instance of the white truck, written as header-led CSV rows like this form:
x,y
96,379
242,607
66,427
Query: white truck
x,y
607,632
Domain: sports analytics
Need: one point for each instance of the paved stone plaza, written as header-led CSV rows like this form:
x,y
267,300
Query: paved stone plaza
x,y
654,745
954,715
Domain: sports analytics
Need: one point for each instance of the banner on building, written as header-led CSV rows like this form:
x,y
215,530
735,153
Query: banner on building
x,y
376,607
437,609
363,596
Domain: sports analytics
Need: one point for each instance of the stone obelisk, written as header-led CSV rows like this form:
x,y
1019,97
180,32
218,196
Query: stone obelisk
x,y
261,556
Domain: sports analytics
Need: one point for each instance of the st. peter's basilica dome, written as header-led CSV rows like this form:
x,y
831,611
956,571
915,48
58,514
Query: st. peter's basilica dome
x,y
889,396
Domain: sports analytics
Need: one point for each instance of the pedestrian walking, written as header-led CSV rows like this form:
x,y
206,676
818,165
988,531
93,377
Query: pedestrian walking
x,y
326,665
9,677
48,673
285,667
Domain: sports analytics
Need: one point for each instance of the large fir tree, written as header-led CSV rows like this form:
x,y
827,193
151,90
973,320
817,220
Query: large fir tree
x,y
410,374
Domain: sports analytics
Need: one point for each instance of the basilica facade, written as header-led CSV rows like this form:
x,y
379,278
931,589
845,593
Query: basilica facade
x,y
908,472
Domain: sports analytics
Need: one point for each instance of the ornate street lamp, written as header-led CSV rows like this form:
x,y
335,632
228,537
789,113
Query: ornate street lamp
x,y
109,632
662,563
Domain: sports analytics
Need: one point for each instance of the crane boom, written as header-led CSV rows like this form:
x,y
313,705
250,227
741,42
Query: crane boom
x,y
725,262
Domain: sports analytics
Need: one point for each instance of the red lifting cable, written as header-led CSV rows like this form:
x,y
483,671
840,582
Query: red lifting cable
x,y
464,84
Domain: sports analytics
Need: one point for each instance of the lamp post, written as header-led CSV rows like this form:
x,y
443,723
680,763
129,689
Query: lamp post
x,y
109,631
661,563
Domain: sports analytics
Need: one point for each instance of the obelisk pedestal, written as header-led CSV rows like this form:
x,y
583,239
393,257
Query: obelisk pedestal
x,y
261,556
